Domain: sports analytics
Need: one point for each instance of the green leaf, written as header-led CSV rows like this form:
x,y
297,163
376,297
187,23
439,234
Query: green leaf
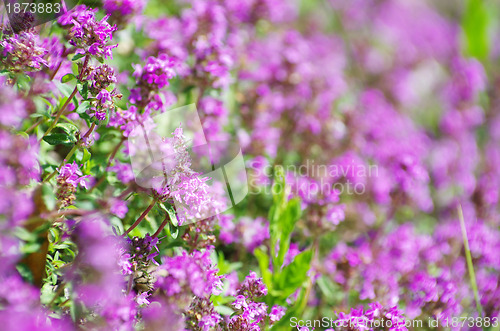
x,y
475,25
48,196
293,275
25,272
59,139
86,156
31,247
69,128
46,293
328,288
23,134
224,310
67,78
84,89
83,107
171,213
85,116
66,90
263,260
24,234
295,311
173,225
288,219
279,200
77,57
173,231
279,185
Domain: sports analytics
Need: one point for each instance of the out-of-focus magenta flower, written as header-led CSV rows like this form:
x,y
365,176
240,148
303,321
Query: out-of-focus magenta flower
x,y
251,233
119,208
97,275
122,11
20,53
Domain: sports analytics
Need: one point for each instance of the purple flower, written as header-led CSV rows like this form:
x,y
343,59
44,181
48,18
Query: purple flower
x,y
277,312
88,34
252,286
12,108
250,313
104,96
20,53
123,171
151,78
141,299
70,173
208,322
70,177
96,273
184,275
119,208
358,319
120,11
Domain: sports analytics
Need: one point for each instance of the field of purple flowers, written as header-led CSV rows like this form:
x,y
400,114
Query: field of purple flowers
x,y
370,134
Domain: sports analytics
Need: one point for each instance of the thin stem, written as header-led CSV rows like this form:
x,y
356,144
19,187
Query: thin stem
x,y
162,226
57,294
99,182
56,70
110,159
125,193
139,220
40,121
61,110
115,151
92,127
468,257
70,154
77,212
64,54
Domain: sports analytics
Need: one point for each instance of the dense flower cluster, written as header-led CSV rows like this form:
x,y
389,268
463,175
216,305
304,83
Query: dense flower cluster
x,y
376,317
250,312
68,180
18,161
182,276
101,78
21,52
87,33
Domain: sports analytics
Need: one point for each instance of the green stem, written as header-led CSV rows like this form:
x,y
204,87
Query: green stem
x,y
468,257
61,110
70,154
40,121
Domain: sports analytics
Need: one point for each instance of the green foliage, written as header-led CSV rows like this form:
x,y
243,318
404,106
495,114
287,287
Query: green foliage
x,y
283,281
475,24
82,108
59,139
172,227
77,57
83,89
67,78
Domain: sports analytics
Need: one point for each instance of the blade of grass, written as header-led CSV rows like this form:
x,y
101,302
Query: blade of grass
x,y
468,257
